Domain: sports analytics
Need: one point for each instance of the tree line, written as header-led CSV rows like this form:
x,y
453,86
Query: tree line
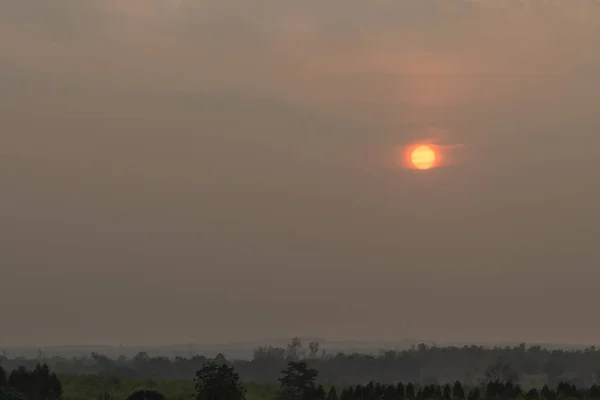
x,y
36,384
422,364
298,381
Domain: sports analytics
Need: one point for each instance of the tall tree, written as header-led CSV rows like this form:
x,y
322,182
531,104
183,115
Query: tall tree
x,y
332,394
319,394
313,348
458,392
218,382
410,391
400,391
389,393
546,393
294,350
447,392
297,382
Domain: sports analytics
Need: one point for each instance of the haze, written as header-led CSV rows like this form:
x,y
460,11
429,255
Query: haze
x,y
211,171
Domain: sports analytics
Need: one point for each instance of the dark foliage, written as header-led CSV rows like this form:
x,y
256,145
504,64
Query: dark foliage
x,y
298,383
424,365
36,384
146,395
8,393
218,382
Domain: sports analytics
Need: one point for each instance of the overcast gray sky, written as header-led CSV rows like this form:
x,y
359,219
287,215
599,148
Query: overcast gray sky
x,y
210,171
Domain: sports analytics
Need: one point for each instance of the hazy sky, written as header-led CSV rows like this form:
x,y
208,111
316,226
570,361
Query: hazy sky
x,y
216,170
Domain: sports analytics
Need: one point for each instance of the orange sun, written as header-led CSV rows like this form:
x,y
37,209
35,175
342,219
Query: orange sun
x,y
423,157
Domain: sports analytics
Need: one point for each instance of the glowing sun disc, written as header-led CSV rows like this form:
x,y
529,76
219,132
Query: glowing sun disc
x,y
423,157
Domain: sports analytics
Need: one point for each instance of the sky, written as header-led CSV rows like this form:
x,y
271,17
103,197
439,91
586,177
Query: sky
x,y
210,171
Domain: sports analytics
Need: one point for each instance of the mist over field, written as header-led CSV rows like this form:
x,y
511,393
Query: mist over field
x,y
226,171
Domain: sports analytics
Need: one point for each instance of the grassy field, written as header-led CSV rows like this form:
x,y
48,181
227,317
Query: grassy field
x,y
94,387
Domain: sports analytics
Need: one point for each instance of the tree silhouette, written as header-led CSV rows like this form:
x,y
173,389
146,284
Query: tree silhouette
x,y
500,373
297,382
218,382
458,392
146,395
318,394
313,348
474,394
410,391
546,393
389,393
447,392
294,350
38,384
332,395
400,392
533,394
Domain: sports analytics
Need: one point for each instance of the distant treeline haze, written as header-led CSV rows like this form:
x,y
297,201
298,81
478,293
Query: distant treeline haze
x,y
298,381
424,365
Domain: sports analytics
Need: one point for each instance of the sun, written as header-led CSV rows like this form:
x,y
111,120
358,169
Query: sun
x,y
423,157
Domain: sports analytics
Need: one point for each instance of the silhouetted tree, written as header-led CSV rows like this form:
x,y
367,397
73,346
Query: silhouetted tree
x,y
218,382
447,393
500,373
400,392
438,392
294,350
493,389
419,395
38,384
297,381
332,395
313,348
458,392
318,394
546,393
146,395
410,391
369,391
533,394
389,393
268,353
347,394
474,394
220,359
